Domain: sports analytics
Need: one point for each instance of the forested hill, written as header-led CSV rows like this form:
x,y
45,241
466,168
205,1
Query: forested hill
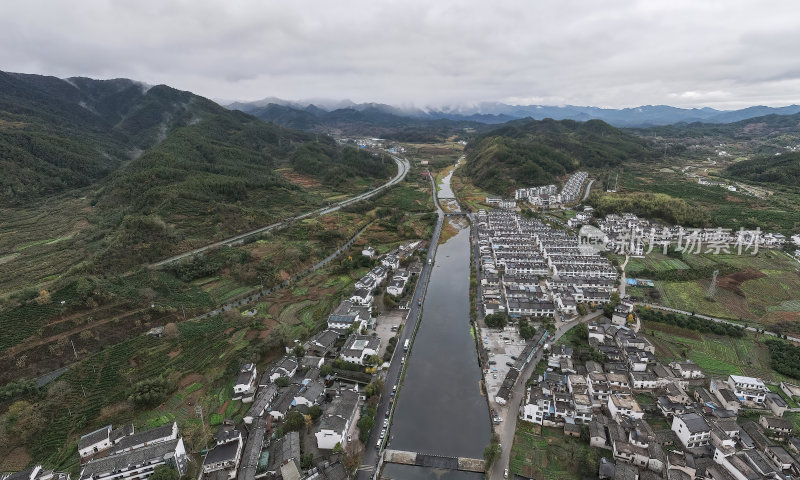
x,y
782,169
59,134
528,152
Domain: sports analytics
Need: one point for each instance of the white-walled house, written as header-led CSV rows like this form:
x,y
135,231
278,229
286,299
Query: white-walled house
x,y
246,384
336,421
161,434
286,367
625,406
138,464
362,296
396,287
748,389
358,348
692,429
687,369
222,461
391,261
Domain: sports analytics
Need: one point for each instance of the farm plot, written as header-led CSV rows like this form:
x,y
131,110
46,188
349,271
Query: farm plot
x,y
716,355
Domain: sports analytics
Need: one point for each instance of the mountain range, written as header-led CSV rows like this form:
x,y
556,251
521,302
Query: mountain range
x,y
308,114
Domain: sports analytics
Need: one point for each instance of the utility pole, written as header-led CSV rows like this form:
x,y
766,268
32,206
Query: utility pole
x,y
73,349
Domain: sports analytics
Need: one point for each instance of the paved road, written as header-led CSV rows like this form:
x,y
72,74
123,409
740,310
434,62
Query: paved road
x,y
506,429
402,169
588,190
371,451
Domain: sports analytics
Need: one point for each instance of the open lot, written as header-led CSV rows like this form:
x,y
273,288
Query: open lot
x,y
500,351
384,324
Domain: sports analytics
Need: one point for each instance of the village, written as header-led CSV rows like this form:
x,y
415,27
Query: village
x,y
313,411
656,420
662,421
317,401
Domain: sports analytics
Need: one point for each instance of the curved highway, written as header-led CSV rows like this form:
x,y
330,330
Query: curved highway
x,y
402,169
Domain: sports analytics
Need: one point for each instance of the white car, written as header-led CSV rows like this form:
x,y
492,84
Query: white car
x,y
505,473
349,438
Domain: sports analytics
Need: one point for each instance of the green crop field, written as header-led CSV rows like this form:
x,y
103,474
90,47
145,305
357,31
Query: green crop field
x,y
546,453
716,355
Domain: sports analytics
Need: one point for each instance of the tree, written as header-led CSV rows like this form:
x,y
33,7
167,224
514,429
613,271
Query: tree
x,y
491,452
315,412
164,472
365,424
282,382
374,388
293,422
496,320
337,448
582,332
298,350
526,330
150,392
582,309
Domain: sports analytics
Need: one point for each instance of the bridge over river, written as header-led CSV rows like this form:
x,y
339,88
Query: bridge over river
x,y
434,461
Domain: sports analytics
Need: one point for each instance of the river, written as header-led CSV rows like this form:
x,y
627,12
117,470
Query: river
x,y
440,409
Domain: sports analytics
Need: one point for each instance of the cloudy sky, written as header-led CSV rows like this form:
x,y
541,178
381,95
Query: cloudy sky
x,y
724,54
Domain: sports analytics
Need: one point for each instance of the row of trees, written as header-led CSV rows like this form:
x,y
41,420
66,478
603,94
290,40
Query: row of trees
x,y
692,322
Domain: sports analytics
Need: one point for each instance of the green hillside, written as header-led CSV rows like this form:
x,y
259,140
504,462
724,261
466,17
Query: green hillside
x,y
783,169
150,172
529,153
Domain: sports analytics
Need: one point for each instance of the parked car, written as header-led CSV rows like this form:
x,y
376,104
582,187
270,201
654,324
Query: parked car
x,y
509,364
